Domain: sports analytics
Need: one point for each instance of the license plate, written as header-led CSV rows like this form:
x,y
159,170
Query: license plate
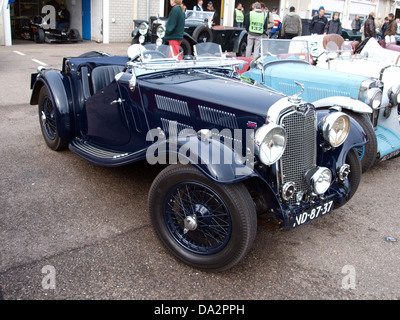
x,y
312,213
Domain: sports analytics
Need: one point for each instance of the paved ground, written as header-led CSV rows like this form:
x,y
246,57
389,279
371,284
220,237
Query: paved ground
x,y
87,227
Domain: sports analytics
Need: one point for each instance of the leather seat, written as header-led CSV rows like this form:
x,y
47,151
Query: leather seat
x,y
102,76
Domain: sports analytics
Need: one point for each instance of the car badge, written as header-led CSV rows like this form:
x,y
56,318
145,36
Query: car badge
x,y
251,125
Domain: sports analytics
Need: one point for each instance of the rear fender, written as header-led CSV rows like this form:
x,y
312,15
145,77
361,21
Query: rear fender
x,y
53,80
344,102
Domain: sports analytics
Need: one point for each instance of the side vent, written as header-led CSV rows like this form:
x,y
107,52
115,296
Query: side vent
x,y
172,105
173,127
218,117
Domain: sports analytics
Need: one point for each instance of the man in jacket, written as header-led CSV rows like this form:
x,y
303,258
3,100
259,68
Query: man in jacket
x,y
356,24
273,34
291,25
334,26
369,26
391,28
238,16
256,25
318,22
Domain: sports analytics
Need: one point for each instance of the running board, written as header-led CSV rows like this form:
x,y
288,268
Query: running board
x,y
101,156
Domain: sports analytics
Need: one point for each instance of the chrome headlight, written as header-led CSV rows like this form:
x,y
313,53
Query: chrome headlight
x,y
270,143
373,97
161,32
143,28
394,94
319,179
335,128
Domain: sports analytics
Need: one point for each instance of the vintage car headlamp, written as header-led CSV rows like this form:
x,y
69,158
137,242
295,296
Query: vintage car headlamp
x,y
270,143
319,179
143,28
161,32
335,128
373,97
394,94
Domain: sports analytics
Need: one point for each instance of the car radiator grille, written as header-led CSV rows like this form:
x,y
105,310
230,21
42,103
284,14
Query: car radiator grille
x,y
300,152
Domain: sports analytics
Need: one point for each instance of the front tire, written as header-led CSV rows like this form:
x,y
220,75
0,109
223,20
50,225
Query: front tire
x,y
48,124
206,225
367,153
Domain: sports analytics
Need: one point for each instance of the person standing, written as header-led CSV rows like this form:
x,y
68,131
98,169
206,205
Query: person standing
x,y
274,32
269,19
369,26
318,22
210,7
64,17
334,26
198,6
291,25
255,24
175,26
391,28
356,24
238,16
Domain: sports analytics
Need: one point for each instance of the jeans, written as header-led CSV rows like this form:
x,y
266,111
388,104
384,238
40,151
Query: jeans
x,y
62,25
253,40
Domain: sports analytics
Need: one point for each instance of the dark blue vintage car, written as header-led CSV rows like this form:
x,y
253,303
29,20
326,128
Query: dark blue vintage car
x,y
233,150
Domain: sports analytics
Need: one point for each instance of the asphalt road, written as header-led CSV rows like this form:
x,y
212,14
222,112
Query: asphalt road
x,y
73,230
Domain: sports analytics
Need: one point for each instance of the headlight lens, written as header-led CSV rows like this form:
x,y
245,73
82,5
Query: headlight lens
x,y
160,32
143,28
395,94
373,98
319,179
270,143
335,128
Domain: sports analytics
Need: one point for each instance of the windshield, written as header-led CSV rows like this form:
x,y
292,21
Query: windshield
x,y
153,57
279,49
199,17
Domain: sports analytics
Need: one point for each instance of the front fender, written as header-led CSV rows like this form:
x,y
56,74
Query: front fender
x,y
356,138
344,102
214,159
242,36
53,80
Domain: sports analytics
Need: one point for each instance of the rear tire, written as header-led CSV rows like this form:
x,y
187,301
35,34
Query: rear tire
x,y
48,123
39,36
223,218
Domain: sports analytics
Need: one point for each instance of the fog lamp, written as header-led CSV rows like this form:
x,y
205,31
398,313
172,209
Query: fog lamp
x,y
319,179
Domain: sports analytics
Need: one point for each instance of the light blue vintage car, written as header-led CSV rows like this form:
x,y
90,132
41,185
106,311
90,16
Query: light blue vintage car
x,y
286,66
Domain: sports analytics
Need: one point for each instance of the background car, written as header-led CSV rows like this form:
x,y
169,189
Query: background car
x,y
36,30
225,160
198,28
368,96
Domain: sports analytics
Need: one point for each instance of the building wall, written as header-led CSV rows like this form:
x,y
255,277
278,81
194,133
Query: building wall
x,y
121,15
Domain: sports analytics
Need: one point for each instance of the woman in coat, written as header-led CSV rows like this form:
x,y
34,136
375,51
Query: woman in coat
x,y
369,26
175,26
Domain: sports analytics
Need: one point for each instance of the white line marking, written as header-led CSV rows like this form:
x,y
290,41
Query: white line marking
x,y
39,62
20,53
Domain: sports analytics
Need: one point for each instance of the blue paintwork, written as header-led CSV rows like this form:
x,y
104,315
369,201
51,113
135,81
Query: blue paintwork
x,y
86,20
318,83
388,141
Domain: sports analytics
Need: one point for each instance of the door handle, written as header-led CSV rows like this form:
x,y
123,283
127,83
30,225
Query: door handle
x,y
119,101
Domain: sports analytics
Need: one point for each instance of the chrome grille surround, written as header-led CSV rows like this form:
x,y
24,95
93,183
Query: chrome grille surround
x,y
300,153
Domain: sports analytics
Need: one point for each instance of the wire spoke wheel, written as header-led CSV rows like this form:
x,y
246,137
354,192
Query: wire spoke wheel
x,y
197,218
